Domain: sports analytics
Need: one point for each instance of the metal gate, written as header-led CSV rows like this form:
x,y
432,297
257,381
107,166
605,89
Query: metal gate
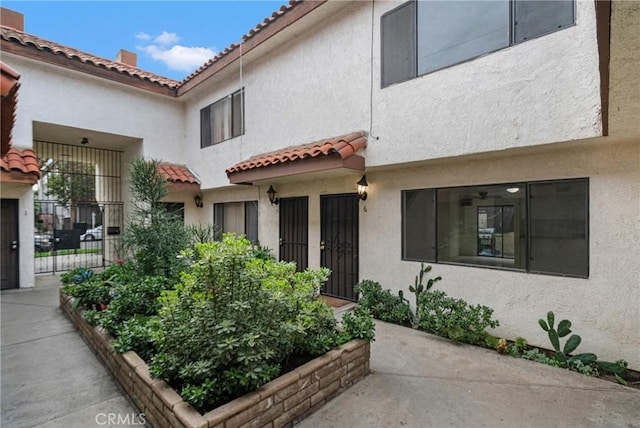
x,y
339,244
294,231
78,212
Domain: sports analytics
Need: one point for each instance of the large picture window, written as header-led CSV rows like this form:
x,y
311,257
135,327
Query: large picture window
x,y
535,227
422,36
222,120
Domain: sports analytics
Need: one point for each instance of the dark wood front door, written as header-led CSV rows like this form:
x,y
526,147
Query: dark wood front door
x,y
339,244
294,231
9,267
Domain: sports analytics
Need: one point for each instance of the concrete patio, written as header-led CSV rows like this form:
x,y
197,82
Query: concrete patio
x,y
50,378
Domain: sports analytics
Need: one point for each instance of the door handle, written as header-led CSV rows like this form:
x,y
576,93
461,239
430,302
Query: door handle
x,y
280,241
56,240
14,245
322,245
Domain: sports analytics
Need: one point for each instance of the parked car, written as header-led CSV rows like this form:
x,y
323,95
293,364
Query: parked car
x,y
94,234
42,242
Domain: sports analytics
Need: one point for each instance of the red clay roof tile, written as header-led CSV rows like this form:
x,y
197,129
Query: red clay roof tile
x,y
176,173
14,36
9,101
345,146
24,161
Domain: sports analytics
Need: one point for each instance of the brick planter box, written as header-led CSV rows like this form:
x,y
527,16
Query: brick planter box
x,y
281,402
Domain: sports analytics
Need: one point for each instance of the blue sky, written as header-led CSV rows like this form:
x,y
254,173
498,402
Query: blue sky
x,y
171,38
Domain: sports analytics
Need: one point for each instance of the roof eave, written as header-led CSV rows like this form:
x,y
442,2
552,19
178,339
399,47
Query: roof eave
x,y
49,57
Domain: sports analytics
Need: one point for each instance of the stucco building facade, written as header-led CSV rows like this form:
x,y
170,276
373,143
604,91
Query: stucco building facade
x,y
511,165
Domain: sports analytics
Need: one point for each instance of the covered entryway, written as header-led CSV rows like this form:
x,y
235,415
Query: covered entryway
x,y
339,244
10,263
294,231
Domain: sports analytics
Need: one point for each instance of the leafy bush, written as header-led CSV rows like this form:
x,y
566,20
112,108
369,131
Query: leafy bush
x,y
135,298
233,320
136,334
358,324
454,318
154,236
382,304
89,291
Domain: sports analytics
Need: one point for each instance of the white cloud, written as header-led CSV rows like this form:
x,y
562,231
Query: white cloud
x,y
143,36
167,38
180,58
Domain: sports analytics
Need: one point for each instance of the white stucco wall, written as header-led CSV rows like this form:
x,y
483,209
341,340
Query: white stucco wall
x,y
318,85
63,97
603,308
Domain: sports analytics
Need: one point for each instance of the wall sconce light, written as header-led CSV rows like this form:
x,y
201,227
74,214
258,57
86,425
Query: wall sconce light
x,y
198,200
272,196
84,141
362,188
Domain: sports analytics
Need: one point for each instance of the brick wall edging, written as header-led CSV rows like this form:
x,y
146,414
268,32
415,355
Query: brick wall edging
x,y
281,402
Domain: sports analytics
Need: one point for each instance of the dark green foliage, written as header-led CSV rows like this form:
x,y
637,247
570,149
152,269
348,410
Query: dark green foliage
x,y
418,288
154,236
234,320
454,318
133,298
586,363
202,233
358,324
136,334
89,291
383,304
263,253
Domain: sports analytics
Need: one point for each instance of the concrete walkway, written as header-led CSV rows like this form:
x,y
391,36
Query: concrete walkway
x,y
50,378
421,380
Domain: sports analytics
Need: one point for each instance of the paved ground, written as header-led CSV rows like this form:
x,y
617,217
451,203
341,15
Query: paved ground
x,y
50,378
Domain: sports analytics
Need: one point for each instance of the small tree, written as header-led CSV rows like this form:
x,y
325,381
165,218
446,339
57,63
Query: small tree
x,y
153,235
71,182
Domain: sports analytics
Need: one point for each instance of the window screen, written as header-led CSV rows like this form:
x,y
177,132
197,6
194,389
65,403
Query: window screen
x,y
536,18
558,228
418,225
450,32
222,120
399,44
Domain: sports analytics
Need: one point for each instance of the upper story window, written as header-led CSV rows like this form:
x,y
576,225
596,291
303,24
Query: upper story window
x,y
222,120
422,36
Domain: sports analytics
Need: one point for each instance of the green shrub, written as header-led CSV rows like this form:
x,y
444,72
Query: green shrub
x,y
358,324
454,318
233,321
383,304
89,290
135,297
136,334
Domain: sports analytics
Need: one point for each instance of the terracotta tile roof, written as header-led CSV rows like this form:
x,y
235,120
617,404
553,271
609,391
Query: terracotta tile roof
x,y
14,36
24,161
9,89
177,173
345,146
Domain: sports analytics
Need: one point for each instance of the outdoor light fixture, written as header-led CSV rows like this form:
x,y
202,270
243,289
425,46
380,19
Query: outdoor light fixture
x,y
272,196
84,141
513,189
198,200
362,188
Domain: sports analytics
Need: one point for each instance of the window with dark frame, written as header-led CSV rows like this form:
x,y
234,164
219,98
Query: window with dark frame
x,y
240,218
537,227
222,120
422,36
